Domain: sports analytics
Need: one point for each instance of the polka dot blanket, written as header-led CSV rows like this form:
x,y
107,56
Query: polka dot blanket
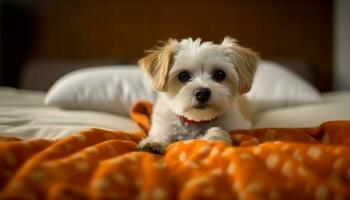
x,y
306,163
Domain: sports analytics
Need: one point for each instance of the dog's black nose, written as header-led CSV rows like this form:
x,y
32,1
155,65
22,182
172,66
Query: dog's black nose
x,y
202,94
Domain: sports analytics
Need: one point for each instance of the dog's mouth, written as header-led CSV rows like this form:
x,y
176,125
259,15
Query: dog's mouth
x,y
200,112
186,120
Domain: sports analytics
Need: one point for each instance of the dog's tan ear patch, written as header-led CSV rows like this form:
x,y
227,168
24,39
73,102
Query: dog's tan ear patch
x,y
245,61
157,64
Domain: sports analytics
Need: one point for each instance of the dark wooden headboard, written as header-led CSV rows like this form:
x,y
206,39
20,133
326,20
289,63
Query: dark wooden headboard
x,y
298,33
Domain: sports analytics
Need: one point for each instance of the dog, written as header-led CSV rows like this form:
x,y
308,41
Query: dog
x,y
201,87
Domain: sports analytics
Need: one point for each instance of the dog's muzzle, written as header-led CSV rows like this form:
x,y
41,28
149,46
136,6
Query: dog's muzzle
x,y
202,95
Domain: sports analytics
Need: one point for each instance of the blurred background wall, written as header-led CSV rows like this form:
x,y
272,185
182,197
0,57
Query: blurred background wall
x,y
342,45
42,40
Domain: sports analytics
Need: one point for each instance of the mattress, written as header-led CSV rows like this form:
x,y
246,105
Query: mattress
x,y
23,115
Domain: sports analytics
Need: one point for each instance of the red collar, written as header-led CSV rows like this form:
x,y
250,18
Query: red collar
x,y
193,122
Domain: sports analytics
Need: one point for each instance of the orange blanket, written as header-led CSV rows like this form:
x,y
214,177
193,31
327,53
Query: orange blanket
x,y
310,163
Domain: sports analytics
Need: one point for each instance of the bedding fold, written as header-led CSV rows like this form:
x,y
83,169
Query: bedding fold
x,y
270,163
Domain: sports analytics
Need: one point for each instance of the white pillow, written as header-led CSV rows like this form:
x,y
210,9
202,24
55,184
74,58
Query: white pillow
x,y
115,89
276,86
110,89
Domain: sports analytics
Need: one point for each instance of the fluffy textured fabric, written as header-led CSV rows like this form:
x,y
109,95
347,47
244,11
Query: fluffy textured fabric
x,y
308,163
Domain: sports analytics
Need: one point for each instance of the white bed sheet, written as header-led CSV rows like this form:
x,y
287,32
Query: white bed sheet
x,y
22,114
334,106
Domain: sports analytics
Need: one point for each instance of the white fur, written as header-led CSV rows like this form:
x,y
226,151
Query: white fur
x,y
200,59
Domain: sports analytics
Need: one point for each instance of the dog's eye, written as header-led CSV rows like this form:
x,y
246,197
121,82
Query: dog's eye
x,y
184,76
219,75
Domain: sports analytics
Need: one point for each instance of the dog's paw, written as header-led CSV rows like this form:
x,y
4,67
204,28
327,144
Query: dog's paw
x,y
217,134
153,146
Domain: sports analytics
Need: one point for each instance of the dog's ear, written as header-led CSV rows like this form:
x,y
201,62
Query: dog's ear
x,y
157,64
245,62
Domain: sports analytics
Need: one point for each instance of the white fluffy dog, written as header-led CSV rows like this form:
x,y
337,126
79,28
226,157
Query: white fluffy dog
x,y
201,86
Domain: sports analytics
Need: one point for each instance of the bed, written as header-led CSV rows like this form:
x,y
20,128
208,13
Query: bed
x,y
90,121
295,152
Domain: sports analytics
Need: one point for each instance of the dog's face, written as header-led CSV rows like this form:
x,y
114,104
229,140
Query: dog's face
x,y
200,80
